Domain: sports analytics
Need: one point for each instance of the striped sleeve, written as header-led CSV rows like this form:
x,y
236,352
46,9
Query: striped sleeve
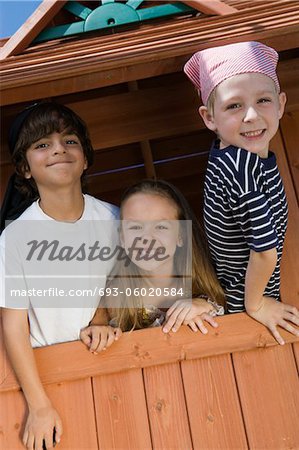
x,y
250,208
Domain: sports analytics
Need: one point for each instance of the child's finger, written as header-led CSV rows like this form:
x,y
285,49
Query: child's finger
x,y
200,325
95,340
117,333
170,311
49,440
284,324
85,337
276,335
58,430
170,321
292,318
103,340
193,326
210,319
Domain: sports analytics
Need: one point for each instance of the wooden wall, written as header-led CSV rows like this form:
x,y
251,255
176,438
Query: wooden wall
x,y
151,128
230,389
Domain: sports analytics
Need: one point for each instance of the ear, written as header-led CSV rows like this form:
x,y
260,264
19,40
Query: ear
x,y
207,117
282,101
85,164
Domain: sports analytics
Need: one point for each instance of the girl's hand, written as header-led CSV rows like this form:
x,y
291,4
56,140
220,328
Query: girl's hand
x,y
187,311
99,337
272,313
39,428
198,323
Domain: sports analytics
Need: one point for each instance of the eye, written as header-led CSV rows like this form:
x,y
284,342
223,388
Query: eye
x,y
234,106
71,140
264,100
135,227
162,226
41,145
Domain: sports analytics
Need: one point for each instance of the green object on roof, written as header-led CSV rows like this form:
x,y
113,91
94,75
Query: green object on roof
x,y
110,14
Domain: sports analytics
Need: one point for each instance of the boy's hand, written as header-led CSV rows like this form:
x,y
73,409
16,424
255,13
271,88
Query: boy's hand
x,y
39,429
272,313
99,337
187,312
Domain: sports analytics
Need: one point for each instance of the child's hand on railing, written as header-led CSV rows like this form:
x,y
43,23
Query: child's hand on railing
x,y
99,337
189,312
272,313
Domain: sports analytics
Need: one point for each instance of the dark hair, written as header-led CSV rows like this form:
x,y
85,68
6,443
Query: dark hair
x,y
204,279
42,120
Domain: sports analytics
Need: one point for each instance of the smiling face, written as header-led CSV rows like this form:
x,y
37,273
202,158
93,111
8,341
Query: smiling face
x,y
246,112
150,221
56,160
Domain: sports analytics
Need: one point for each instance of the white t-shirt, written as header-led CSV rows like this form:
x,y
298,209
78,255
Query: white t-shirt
x,y
56,270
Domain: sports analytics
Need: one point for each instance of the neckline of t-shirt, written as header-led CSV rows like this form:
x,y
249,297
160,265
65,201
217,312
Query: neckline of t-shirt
x,y
46,217
269,162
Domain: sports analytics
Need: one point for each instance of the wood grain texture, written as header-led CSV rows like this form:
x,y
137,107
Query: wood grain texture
x,y
269,391
144,348
12,420
290,132
166,407
74,403
121,413
211,7
213,404
290,257
65,65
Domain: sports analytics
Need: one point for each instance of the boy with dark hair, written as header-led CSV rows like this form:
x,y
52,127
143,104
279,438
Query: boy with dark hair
x,y
51,150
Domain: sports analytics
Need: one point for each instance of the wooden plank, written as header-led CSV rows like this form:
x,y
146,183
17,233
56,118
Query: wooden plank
x,y
74,403
296,353
140,115
143,348
119,67
290,132
269,391
31,28
121,413
214,411
166,407
211,7
12,414
290,258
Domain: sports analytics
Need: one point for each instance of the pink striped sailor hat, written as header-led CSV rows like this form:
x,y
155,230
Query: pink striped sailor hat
x,y
208,68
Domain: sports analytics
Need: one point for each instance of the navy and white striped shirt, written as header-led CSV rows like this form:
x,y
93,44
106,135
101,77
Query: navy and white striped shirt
x,y
245,209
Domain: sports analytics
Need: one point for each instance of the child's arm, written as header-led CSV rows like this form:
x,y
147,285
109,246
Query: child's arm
x,y
42,417
99,335
267,310
190,313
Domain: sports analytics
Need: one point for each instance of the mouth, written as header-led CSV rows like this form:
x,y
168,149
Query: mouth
x,y
57,163
253,134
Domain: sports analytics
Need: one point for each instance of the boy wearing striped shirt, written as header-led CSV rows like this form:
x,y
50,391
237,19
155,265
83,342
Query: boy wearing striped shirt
x,y
245,208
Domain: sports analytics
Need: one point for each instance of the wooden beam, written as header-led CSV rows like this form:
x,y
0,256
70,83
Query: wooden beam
x,y
211,7
31,28
144,348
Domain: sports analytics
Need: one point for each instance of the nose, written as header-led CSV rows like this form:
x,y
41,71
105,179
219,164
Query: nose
x,y
250,114
59,147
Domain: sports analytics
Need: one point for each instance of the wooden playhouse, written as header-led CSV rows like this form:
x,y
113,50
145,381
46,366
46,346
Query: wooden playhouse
x,y
234,388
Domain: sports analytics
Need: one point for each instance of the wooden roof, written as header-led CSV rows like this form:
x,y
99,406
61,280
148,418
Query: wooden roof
x,y
76,64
